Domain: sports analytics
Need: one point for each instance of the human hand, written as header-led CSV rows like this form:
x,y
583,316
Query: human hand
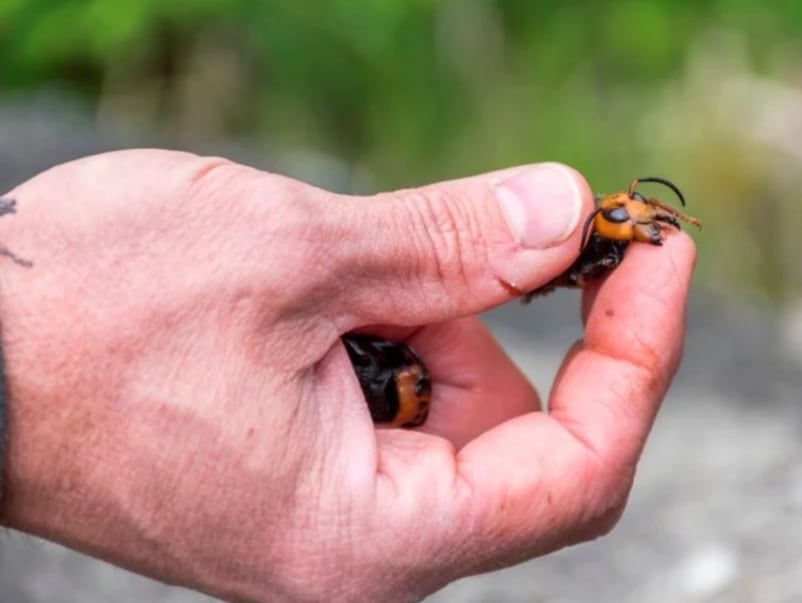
x,y
181,404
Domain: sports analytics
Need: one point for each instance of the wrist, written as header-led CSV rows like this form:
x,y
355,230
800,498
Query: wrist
x,y
51,423
42,462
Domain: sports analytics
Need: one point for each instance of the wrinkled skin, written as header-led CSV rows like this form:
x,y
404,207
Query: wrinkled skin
x,y
181,404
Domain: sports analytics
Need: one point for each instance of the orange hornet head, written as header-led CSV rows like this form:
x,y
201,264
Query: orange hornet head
x,y
628,215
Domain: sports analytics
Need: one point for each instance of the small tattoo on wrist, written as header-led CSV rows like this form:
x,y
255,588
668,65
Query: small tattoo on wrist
x,y
9,206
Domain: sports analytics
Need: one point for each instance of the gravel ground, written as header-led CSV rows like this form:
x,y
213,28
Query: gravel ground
x,y
716,511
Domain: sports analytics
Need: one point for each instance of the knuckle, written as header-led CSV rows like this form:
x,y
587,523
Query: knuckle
x,y
278,231
607,502
608,520
596,526
605,494
452,237
201,178
211,172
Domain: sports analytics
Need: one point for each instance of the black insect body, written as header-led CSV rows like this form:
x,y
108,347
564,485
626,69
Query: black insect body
x,y
599,256
395,382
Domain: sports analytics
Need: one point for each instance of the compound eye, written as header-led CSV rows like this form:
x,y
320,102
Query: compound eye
x,y
617,215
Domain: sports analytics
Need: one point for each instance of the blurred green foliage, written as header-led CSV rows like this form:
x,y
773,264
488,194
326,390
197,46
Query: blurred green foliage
x,y
408,91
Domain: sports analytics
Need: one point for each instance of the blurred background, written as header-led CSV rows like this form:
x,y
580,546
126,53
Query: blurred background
x,y
361,96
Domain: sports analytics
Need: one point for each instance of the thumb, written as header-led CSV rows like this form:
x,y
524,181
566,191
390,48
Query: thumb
x,y
457,248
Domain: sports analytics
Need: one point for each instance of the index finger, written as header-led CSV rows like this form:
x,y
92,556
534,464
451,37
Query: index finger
x,y
556,475
634,333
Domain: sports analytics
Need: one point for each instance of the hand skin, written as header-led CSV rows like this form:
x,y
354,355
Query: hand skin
x,y
181,405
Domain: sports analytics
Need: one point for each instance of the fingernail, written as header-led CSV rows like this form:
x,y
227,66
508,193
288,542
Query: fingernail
x,y
542,204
